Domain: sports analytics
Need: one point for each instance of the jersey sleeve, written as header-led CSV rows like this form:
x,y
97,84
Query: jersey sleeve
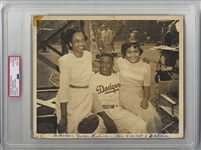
x,y
147,75
64,94
96,105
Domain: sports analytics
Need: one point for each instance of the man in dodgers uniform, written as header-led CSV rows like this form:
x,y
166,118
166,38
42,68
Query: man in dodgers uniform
x,y
105,86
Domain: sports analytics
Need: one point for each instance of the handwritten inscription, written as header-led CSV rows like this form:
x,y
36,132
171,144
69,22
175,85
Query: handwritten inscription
x,y
66,135
158,136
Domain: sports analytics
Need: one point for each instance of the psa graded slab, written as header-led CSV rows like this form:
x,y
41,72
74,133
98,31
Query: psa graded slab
x,y
99,75
108,77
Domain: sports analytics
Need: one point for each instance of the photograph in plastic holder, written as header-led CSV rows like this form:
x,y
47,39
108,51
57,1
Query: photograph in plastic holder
x,y
108,77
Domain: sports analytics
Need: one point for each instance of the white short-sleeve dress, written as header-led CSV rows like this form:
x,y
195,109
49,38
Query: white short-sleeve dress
x,y
133,76
76,72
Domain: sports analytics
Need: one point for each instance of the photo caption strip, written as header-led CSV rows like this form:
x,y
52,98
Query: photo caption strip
x,y
14,76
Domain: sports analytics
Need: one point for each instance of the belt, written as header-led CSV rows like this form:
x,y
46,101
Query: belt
x,y
109,106
72,86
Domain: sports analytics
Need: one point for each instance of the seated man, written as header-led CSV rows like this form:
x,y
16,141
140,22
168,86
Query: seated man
x,y
105,86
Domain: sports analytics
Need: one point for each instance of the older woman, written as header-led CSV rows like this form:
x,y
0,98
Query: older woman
x,y
135,85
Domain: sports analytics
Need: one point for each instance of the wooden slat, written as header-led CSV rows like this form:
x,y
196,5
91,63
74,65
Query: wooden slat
x,y
169,110
54,49
51,100
38,105
46,103
47,90
168,99
45,116
66,24
166,68
48,62
167,126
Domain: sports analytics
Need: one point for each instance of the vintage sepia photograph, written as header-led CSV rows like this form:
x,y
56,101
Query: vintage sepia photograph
x,y
108,77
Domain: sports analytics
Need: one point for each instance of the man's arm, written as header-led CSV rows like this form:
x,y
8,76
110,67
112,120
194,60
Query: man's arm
x,y
109,123
96,105
98,109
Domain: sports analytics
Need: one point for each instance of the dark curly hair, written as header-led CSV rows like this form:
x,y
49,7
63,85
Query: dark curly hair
x,y
127,45
108,55
68,35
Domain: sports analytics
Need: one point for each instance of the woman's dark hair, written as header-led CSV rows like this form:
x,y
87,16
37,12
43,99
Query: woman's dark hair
x,y
127,45
70,32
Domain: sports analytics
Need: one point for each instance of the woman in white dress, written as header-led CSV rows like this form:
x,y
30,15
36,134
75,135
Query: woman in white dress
x,y
74,99
135,85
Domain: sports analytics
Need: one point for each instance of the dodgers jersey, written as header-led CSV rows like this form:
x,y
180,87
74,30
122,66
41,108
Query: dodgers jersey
x,y
106,88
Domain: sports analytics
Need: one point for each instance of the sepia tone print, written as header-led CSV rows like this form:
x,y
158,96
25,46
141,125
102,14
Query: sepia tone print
x,y
116,77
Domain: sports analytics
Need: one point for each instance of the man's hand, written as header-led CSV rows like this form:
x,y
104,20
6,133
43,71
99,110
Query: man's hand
x,y
144,104
109,123
145,60
62,125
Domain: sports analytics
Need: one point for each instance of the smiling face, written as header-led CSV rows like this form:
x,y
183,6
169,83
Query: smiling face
x,y
106,65
78,44
132,54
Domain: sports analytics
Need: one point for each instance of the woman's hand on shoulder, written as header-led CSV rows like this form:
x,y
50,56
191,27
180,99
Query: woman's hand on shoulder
x,y
145,60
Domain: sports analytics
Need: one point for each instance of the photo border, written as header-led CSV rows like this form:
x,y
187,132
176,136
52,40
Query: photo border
x,y
114,17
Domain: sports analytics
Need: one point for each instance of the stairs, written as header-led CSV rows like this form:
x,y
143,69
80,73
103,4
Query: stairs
x,y
168,110
46,28
144,27
141,26
171,108
166,97
168,103
116,28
